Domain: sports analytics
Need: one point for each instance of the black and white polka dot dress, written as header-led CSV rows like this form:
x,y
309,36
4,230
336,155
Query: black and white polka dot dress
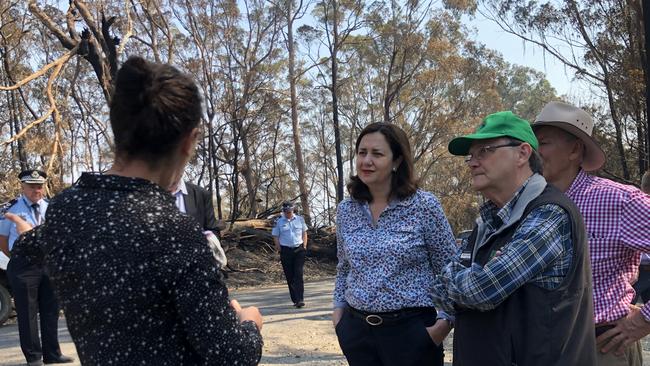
x,y
136,279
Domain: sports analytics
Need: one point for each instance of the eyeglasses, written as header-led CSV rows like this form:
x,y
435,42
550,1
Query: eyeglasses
x,y
483,152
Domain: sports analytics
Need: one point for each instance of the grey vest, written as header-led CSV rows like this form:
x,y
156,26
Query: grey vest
x,y
534,326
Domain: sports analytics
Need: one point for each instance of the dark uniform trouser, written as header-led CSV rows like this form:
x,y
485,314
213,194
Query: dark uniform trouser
x,y
293,261
33,294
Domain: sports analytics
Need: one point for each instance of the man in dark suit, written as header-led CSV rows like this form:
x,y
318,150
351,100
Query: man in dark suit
x,y
197,202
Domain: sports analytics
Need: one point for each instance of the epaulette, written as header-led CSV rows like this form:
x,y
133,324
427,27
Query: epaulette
x,y
6,206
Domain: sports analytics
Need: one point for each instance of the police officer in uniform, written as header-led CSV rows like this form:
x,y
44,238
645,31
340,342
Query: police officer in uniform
x,y
30,284
290,238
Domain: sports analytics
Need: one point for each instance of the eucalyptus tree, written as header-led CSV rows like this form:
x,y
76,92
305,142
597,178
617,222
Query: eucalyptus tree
x,y
248,61
292,11
601,42
337,21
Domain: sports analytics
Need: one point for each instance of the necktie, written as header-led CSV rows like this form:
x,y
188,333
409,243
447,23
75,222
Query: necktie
x,y
37,213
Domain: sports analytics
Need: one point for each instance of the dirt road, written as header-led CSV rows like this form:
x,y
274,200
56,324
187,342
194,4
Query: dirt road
x,y
292,336
296,336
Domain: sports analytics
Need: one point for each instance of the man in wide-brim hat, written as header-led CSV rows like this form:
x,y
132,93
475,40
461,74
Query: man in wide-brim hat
x,y
617,218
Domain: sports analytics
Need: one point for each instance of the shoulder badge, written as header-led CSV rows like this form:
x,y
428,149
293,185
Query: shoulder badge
x,y
6,206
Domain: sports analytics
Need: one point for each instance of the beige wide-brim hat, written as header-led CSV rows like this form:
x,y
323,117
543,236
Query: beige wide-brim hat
x,y
576,122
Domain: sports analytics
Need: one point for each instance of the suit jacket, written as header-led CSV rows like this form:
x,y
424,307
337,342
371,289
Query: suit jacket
x,y
198,204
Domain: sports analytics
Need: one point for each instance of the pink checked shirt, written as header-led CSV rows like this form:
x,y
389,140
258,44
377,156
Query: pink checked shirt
x,y
617,218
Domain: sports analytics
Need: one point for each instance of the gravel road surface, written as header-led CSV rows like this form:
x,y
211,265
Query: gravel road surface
x,y
292,336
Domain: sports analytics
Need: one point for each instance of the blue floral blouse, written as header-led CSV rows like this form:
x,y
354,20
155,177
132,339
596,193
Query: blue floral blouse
x,y
391,265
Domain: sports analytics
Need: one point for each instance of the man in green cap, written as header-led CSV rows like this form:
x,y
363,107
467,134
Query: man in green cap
x,y
521,287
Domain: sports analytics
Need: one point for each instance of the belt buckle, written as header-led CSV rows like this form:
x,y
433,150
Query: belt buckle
x,y
374,319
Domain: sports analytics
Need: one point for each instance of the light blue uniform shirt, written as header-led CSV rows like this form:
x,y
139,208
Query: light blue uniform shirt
x,y
23,209
289,232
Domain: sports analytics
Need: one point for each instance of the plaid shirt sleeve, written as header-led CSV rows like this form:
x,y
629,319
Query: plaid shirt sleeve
x,y
540,240
441,245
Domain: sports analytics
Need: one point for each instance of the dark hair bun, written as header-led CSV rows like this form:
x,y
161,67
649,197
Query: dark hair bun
x,y
153,107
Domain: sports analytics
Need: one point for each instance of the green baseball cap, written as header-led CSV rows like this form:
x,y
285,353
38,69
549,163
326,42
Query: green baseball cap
x,y
500,124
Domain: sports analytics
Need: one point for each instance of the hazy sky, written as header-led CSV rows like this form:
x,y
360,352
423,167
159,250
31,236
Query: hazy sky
x,y
514,50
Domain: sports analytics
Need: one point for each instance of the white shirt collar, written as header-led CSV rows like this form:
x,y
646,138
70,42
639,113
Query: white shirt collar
x,y
181,188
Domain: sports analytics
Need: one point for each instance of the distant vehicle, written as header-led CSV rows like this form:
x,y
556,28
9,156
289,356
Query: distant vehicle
x,y
5,295
463,235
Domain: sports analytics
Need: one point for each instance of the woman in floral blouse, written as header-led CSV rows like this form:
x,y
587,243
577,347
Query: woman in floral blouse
x,y
392,240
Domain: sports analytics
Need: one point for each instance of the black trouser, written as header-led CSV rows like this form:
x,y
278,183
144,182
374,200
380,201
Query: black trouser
x,y
293,261
642,285
33,294
401,342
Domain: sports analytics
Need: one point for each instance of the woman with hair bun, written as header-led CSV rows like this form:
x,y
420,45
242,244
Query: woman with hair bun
x,y
136,278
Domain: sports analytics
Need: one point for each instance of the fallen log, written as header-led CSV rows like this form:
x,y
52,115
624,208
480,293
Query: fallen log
x,y
253,223
249,232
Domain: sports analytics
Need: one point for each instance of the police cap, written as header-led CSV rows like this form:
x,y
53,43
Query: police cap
x,y
32,176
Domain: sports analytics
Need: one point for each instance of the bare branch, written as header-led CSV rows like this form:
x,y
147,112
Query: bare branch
x,y
90,22
61,60
66,41
53,110
129,28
